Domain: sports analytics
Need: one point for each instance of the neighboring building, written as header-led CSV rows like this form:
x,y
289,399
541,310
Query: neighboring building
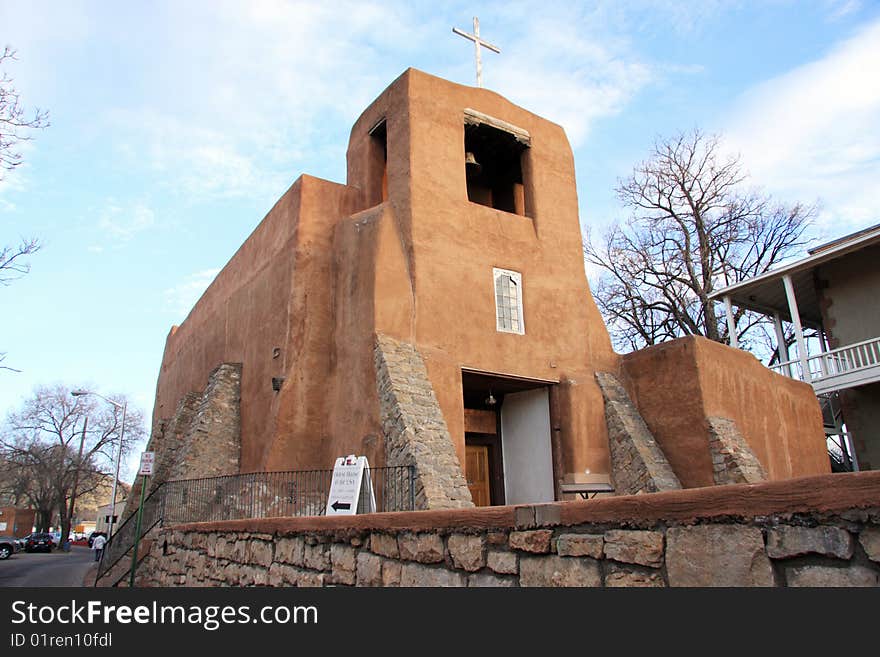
x,y
434,311
86,527
836,292
16,522
103,519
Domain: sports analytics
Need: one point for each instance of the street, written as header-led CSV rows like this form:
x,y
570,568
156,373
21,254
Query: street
x,y
47,569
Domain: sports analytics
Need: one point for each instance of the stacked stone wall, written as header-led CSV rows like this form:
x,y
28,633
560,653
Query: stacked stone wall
x,y
733,461
818,531
638,465
212,445
166,442
415,431
202,439
173,439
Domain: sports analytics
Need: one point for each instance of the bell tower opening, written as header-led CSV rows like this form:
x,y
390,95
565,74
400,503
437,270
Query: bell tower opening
x,y
494,166
378,163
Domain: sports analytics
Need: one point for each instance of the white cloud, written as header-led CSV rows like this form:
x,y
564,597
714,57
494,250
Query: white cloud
x,y
838,9
124,222
576,82
182,297
259,92
198,161
815,132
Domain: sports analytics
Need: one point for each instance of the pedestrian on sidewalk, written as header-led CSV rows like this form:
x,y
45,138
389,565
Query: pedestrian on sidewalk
x,y
98,546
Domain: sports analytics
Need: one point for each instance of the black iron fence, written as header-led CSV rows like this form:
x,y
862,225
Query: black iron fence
x,y
257,495
281,494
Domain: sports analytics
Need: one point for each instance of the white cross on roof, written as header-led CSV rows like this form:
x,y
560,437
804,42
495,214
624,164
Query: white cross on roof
x,y
475,37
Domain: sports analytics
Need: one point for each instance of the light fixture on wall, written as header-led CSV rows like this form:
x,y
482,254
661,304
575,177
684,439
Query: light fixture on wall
x,y
490,400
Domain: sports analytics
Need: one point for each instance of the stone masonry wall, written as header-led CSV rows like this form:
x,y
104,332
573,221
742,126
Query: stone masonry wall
x,y
166,441
638,465
414,428
733,461
173,439
212,445
817,531
203,439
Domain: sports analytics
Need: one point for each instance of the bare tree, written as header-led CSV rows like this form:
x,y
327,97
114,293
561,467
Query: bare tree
x,y
16,480
694,228
69,441
11,264
15,122
30,469
16,125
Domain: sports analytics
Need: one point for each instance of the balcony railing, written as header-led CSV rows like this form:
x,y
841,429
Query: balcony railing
x,y
846,367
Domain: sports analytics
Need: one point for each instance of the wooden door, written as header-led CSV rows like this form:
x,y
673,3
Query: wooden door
x,y
477,473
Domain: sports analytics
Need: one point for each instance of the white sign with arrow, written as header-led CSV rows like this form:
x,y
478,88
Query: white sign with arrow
x,y
345,487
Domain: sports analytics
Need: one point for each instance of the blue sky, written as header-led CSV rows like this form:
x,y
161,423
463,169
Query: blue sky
x,y
175,126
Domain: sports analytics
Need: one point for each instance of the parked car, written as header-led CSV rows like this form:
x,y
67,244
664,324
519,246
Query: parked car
x,y
8,546
39,542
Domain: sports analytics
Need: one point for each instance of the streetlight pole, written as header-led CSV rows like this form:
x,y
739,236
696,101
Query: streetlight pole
x,y
124,407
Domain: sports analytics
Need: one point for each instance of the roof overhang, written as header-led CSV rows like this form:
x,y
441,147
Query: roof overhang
x,y
766,293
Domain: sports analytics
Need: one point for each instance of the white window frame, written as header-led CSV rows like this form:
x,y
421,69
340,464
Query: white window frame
x,y
516,279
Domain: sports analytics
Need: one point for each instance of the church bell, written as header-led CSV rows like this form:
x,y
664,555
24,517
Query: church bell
x,y
472,167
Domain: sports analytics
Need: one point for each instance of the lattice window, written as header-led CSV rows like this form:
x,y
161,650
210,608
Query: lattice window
x,y
508,301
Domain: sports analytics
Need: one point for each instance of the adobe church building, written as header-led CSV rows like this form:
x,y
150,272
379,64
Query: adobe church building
x,y
434,311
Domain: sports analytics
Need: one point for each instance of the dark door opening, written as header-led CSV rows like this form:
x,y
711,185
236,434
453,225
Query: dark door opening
x,y
485,452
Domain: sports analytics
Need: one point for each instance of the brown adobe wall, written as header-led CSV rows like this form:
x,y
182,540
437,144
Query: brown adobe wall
x,y
678,384
300,283
258,303
812,531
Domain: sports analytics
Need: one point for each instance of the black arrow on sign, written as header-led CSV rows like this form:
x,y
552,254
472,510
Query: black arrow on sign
x,y
340,505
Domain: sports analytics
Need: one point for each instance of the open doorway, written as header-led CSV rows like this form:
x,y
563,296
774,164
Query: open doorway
x,y
508,454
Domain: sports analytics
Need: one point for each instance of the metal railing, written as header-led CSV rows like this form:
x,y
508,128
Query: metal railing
x,y
257,495
841,453
124,537
281,494
849,360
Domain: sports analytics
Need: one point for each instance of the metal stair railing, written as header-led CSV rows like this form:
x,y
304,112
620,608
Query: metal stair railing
x,y
123,538
256,495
